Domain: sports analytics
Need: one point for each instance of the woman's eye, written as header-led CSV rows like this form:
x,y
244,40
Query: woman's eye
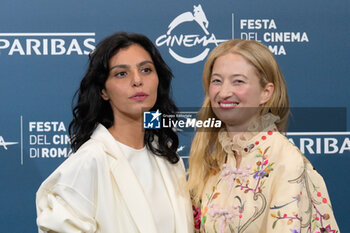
x,y
238,81
120,74
146,70
216,81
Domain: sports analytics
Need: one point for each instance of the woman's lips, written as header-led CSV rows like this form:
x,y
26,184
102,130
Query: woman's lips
x,y
225,104
139,96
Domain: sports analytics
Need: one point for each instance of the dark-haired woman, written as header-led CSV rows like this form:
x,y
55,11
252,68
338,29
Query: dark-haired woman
x,y
120,178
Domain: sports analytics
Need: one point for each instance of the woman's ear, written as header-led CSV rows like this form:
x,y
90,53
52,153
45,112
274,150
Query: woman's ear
x,y
104,95
267,93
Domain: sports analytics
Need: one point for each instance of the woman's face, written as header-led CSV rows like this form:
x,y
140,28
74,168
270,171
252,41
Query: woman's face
x,y
131,86
235,91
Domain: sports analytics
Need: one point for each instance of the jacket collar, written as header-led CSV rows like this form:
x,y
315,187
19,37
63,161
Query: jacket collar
x,y
127,182
131,190
175,181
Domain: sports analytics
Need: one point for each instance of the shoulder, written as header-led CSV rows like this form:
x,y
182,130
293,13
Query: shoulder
x,y
70,191
91,150
82,167
289,159
287,156
282,144
90,154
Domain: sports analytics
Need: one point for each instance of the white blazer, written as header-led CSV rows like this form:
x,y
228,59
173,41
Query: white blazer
x,y
96,190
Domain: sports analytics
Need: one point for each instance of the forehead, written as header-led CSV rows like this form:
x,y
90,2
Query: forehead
x,y
232,62
131,55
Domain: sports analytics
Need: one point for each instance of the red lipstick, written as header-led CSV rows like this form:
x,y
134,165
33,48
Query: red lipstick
x,y
226,104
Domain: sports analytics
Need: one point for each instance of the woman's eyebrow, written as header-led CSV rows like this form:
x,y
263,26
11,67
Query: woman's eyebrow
x,y
232,76
124,66
119,66
215,74
238,75
144,63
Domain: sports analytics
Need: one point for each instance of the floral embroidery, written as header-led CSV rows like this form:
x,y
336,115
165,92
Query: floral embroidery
x,y
316,220
262,170
285,216
238,178
230,174
223,215
328,230
245,192
197,217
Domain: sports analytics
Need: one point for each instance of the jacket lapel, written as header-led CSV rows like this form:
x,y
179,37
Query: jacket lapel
x,y
127,182
175,181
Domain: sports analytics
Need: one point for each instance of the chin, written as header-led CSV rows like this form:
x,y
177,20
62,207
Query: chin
x,y
231,122
225,116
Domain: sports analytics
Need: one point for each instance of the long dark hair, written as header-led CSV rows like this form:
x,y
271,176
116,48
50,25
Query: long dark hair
x,y
91,109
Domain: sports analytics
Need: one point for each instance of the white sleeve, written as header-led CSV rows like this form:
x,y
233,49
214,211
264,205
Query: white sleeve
x,y
54,214
65,201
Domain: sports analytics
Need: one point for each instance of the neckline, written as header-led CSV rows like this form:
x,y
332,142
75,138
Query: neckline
x,y
131,148
258,132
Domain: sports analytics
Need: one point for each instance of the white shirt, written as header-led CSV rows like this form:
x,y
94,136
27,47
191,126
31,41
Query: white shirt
x,y
148,174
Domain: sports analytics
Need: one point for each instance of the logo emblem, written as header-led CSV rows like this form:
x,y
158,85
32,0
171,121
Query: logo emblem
x,y
5,144
197,16
151,120
187,40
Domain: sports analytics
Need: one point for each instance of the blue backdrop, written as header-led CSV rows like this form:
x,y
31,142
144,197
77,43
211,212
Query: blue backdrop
x,y
43,56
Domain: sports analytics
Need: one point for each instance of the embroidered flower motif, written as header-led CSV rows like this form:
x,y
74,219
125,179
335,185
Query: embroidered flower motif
x,y
197,217
235,172
203,214
316,214
295,231
231,173
223,215
259,174
263,167
327,229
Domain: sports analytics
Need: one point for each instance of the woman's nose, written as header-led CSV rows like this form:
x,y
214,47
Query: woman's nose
x,y
137,80
225,90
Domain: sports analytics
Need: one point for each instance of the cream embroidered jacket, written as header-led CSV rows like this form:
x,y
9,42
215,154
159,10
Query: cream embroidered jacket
x,y
275,188
96,190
